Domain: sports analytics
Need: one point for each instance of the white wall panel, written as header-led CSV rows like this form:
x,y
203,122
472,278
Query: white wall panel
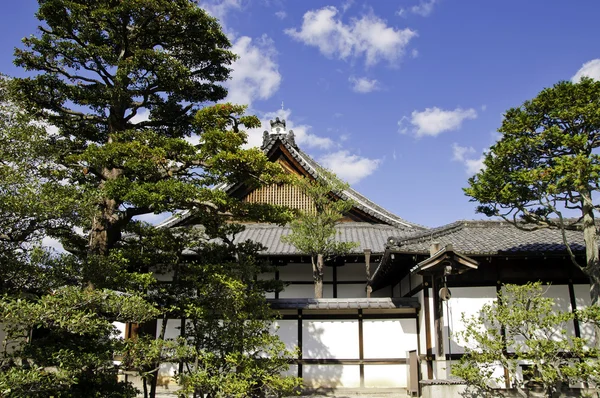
x,y
287,330
298,291
351,291
465,300
119,325
332,339
582,300
296,272
266,276
386,376
173,328
346,376
389,338
353,272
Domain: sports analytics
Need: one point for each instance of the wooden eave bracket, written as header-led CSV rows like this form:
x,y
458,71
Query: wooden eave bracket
x,y
445,257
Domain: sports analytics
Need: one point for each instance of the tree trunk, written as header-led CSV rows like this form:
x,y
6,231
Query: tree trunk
x,y
156,365
105,232
590,237
318,275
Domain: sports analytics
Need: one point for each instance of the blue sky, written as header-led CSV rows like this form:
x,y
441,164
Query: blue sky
x,y
400,98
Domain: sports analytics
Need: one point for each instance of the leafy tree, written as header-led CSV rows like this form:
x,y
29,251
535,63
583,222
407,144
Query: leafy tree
x,y
313,232
123,81
545,164
125,84
524,327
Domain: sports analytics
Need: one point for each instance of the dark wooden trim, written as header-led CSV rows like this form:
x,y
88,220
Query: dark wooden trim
x,y
361,353
428,331
574,309
334,282
414,291
277,278
503,335
351,317
362,283
370,361
299,317
438,315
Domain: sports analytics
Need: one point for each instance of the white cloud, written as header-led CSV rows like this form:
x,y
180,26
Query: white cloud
x,y
350,168
368,36
589,69
424,9
302,132
281,14
414,53
255,74
434,121
363,85
220,8
472,166
459,152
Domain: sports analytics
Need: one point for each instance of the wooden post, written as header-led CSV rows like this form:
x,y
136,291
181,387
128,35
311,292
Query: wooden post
x,y
368,270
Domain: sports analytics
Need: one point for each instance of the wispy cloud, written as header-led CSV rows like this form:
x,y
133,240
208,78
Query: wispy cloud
x,y
424,9
463,154
434,121
589,69
281,14
363,85
368,36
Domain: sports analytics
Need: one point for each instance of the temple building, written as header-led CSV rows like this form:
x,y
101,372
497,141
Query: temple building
x,y
393,305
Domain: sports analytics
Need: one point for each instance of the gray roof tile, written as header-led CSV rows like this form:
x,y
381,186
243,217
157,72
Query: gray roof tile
x,y
489,237
384,303
369,236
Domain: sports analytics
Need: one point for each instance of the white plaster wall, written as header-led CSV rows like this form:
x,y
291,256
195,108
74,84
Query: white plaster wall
x,y
331,339
352,291
582,300
421,319
389,338
295,272
465,300
173,328
287,330
562,302
353,272
305,291
345,376
266,276
386,376
119,325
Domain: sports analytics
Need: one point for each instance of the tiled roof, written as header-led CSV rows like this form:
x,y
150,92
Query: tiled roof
x,y
369,236
386,303
488,238
361,202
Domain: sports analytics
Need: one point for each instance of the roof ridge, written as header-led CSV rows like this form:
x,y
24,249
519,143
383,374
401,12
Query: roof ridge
x,y
369,207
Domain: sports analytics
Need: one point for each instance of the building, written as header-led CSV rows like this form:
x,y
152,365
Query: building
x,y
382,321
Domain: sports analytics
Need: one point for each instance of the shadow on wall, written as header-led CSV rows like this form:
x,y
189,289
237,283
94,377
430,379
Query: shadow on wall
x,y
322,377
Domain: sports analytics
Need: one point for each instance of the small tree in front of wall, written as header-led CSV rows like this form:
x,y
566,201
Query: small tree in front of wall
x,y
524,333
313,232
